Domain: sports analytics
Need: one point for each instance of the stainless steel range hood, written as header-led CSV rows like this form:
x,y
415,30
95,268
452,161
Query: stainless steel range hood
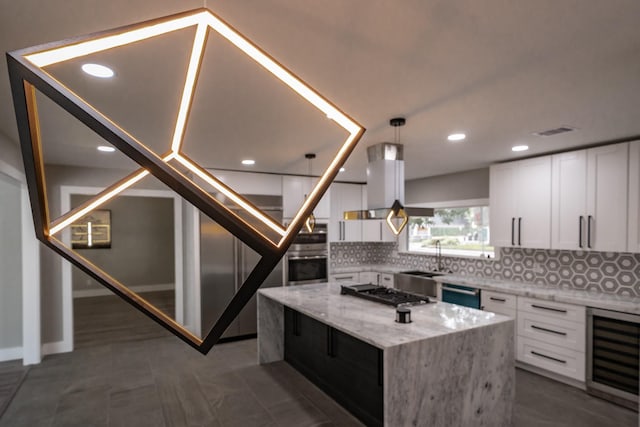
x,y
385,185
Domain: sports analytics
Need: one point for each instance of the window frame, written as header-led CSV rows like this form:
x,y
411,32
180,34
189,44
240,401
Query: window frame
x,y
403,243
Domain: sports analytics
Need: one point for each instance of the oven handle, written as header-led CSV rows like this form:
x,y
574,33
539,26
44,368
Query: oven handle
x,y
295,258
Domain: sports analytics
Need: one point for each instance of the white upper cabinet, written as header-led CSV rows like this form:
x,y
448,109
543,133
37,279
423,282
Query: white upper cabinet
x,y
569,200
633,244
345,197
520,203
607,193
589,199
294,191
377,230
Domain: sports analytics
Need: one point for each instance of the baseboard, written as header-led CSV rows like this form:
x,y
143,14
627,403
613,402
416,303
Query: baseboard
x,y
552,375
55,347
84,293
11,353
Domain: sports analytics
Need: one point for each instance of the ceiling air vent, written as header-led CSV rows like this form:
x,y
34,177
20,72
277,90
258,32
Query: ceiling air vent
x,y
555,131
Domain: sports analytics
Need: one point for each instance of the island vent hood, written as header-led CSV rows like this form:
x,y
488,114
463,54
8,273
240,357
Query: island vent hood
x,y
385,188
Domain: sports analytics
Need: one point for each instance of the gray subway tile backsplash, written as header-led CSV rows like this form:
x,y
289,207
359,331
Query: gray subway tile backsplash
x,y
617,273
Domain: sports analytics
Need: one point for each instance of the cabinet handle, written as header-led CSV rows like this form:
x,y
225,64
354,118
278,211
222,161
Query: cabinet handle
x,y
330,345
535,353
344,233
519,231
380,367
564,334
558,310
580,220
513,224
589,231
497,299
296,324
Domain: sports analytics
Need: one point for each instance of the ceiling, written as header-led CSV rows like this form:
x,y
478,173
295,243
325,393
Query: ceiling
x,y
497,70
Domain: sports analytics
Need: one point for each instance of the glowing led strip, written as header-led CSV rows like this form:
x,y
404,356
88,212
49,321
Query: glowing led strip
x,y
65,53
189,87
97,202
236,199
277,70
201,19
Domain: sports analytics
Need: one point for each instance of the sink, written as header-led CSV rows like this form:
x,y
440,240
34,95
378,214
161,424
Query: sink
x,y
422,273
417,282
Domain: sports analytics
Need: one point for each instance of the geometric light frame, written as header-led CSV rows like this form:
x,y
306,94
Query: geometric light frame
x,y
27,73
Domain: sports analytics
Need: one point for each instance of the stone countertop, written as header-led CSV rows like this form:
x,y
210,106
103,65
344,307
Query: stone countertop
x,y
374,322
602,300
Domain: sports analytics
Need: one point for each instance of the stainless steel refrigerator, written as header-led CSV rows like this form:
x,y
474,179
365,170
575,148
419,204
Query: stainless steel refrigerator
x,y
225,263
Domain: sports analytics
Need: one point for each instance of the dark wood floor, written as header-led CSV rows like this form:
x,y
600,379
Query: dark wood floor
x,y
159,381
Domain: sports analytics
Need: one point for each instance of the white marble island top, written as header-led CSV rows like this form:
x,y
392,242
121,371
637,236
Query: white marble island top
x,y
374,322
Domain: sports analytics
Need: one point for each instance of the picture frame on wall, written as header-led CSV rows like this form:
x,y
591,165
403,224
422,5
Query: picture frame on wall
x,y
92,231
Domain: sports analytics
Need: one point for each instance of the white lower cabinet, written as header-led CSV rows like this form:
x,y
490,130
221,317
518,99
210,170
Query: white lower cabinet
x,y
500,303
386,280
557,359
371,277
551,336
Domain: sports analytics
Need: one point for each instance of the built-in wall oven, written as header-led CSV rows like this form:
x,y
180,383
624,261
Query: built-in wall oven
x,y
307,259
613,356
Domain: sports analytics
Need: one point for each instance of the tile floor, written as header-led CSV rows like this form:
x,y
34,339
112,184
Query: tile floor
x,y
113,380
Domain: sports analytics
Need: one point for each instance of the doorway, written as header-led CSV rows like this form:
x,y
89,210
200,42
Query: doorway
x,y
144,253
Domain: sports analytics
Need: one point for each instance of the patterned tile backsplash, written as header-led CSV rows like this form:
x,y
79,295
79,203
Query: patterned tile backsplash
x,y
617,273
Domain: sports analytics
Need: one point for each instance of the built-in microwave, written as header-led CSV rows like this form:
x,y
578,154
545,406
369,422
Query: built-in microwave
x,y
307,260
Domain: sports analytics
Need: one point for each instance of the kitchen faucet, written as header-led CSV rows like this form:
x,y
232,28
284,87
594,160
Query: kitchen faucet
x,y
439,266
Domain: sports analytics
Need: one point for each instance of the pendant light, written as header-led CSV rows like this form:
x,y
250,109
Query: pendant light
x,y
397,217
29,73
310,223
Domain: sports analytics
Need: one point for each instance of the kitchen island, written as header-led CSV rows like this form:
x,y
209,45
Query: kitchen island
x,y
451,366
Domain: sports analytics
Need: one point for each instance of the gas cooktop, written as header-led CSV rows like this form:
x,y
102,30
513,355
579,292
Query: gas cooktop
x,y
384,295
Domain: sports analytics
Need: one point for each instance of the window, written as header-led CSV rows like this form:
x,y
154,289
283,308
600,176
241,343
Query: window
x,y
461,231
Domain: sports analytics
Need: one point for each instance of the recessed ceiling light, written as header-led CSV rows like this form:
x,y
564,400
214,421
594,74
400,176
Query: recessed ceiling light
x,y
97,70
520,148
248,162
456,137
106,148
342,169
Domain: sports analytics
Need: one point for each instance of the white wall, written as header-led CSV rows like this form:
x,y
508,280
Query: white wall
x,y
10,269
51,263
10,251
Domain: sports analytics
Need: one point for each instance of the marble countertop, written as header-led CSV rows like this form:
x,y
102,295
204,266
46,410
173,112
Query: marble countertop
x,y
605,301
374,322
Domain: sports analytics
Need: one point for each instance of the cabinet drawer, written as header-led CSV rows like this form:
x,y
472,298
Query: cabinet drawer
x,y
556,310
550,330
345,277
498,301
500,310
560,360
386,279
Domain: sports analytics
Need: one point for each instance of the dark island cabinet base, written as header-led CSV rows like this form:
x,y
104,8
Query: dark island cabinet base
x,y
346,368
